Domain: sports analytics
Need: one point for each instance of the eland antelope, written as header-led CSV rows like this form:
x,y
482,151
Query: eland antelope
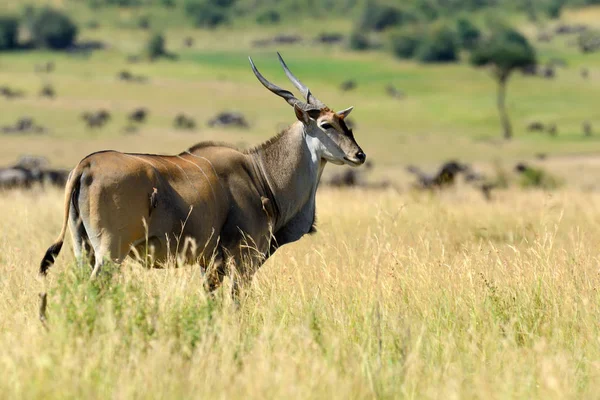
x,y
234,207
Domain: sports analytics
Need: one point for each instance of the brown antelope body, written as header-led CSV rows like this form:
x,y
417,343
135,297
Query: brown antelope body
x,y
210,203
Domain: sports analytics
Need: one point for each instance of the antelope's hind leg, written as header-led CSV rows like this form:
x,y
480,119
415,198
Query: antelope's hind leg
x,y
84,252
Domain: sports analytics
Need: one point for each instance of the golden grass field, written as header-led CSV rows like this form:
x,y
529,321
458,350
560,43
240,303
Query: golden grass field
x,y
396,296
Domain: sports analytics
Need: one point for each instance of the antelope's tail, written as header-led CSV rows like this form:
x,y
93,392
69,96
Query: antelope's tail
x,y
72,187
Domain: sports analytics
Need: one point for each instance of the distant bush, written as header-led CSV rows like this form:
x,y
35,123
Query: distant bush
x,y
52,29
359,41
156,47
439,45
268,17
378,17
168,3
405,42
554,8
208,13
9,30
467,33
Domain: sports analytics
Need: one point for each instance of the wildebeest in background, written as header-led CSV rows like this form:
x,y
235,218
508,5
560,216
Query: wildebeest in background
x,y
188,41
229,118
10,93
445,177
127,76
283,38
16,178
55,177
231,209
587,128
585,73
392,91
30,170
566,29
548,71
536,126
552,130
182,121
348,85
330,38
352,178
48,91
24,125
138,115
96,119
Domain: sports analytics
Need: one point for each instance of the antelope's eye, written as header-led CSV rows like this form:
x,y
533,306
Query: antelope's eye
x,y
326,126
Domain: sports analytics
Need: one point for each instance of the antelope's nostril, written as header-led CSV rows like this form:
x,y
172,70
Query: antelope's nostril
x,y
361,156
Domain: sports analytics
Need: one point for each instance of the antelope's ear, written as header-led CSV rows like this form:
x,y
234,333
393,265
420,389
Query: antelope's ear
x,y
306,115
301,114
344,113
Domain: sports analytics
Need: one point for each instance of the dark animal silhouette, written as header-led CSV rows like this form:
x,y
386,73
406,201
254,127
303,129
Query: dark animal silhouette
x,y
393,92
10,93
96,119
445,177
182,121
536,126
139,115
587,128
188,41
585,73
330,38
24,125
229,119
348,85
48,91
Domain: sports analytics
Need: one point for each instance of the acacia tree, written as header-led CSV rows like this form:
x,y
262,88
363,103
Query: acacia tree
x,y
504,51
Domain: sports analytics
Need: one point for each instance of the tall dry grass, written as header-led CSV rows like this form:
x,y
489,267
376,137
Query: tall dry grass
x,y
396,296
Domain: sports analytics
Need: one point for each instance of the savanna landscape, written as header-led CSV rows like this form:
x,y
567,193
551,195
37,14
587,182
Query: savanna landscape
x,y
401,292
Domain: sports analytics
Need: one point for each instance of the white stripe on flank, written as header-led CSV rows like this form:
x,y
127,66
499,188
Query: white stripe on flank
x,y
203,173
211,165
182,170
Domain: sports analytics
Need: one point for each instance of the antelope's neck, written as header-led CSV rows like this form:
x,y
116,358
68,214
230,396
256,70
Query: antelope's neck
x,y
292,166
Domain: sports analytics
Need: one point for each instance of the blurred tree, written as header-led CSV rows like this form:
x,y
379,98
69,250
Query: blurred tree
x,y
359,41
554,8
268,17
52,29
468,34
439,45
378,17
156,47
405,42
208,13
505,51
9,30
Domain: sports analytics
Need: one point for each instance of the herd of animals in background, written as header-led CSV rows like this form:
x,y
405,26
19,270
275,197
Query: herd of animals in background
x,y
29,171
97,119
26,172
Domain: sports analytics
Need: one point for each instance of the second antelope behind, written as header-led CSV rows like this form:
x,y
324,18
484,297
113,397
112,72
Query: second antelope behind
x,y
236,206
